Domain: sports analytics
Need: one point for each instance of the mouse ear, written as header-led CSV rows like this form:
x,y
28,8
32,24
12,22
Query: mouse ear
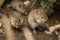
x,y
1,12
21,21
27,3
1,2
12,14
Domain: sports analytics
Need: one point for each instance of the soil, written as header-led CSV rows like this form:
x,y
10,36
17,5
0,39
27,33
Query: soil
x,y
38,36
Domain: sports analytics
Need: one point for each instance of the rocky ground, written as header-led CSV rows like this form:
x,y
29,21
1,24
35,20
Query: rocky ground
x,y
38,36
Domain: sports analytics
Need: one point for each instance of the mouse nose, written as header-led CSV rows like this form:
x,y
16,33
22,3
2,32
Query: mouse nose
x,y
45,22
17,26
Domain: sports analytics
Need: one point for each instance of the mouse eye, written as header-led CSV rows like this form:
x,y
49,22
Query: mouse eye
x,y
41,17
20,6
15,19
